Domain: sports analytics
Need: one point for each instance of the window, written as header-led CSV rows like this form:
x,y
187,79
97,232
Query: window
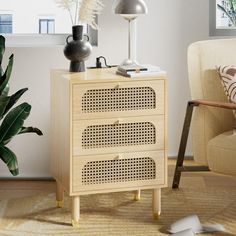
x,y
28,22
46,26
6,23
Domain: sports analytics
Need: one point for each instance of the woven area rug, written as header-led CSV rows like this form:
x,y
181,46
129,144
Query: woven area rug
x,y
117,213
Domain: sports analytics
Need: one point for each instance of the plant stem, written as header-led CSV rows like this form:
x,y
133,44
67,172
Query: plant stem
x,y
76,11
71,18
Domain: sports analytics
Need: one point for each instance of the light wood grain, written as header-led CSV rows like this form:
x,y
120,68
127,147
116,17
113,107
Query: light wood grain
x,y
166,131
137,195
59,195
156,203
100,76
126,109
75,211
69,123
116,186
225,105
156,143
60,130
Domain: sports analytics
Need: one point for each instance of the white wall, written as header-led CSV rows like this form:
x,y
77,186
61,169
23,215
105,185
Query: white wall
x,y
163,37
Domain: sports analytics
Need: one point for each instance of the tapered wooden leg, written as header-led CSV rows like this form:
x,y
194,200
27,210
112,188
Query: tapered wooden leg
x,y
137,195
59,195
156,203
75,211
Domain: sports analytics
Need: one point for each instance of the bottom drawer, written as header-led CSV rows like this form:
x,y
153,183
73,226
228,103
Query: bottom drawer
x,y
116,171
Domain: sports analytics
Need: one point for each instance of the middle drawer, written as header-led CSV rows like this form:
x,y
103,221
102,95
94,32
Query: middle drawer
x,y
118,135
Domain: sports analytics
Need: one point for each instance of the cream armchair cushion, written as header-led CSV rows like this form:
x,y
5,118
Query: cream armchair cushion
x,y
209,124
221,153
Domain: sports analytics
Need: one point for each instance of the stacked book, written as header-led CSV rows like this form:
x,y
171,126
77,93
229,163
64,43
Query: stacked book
x,y
140,71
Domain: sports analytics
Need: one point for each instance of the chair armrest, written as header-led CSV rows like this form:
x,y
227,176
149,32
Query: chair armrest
x,y
226,105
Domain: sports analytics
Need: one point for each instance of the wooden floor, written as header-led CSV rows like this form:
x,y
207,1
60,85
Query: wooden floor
x,y
18,188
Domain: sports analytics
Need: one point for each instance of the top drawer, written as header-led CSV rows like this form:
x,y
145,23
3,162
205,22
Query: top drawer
x,y
118,99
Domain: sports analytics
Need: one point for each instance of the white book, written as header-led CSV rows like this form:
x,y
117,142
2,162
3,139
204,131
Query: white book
x,y
125,69
143,74
151,68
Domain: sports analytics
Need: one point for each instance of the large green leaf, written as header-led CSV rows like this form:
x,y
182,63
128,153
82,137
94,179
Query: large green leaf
x,y
30,130
10,159
3,105
5,78
6,90
2,46
13,122
14,98
2,50
6,103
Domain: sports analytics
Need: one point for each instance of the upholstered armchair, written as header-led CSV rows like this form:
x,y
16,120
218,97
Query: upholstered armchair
x,y
209,113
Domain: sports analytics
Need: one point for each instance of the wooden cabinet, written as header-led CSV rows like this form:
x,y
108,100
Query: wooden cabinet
x,y
108,134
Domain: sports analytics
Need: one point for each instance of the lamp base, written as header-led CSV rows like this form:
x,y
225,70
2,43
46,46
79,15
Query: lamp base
x,y
130,64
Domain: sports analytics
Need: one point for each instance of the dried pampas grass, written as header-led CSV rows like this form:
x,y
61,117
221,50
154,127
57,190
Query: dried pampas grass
x,y
65,4
88,11
84,11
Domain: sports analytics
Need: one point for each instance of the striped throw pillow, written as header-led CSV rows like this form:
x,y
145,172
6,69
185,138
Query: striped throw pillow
x,y
228,80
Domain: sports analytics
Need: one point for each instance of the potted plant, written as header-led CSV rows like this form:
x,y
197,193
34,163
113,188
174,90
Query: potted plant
x,y
81,12
12,118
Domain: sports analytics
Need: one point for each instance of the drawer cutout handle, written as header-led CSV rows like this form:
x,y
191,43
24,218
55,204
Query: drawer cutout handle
x,y
119,157
119,121
117,86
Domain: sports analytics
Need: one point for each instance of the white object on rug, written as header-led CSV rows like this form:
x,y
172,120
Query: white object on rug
x,y
192,222
187,232
213,228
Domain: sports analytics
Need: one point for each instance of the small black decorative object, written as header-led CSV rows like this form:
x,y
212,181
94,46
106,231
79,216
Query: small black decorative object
x,y
77,50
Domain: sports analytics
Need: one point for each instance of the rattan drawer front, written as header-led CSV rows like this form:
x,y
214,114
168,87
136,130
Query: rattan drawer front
x,y
118,171
118,99
118,135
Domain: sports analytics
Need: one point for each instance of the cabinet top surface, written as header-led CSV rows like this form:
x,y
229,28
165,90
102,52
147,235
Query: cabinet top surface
x,y
100,75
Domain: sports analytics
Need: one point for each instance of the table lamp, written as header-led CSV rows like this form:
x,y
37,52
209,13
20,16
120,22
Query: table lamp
x,y
130,10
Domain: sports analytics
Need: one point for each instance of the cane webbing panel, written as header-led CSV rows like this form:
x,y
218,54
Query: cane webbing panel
x,y
115,135
118,99
112,171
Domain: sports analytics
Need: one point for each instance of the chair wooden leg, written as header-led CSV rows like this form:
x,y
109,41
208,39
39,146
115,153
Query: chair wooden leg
x,y
183,143
75,211
156,203
59,195
137,195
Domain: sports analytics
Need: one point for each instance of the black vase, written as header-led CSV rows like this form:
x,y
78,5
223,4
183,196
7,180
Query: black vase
x,y
78,49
